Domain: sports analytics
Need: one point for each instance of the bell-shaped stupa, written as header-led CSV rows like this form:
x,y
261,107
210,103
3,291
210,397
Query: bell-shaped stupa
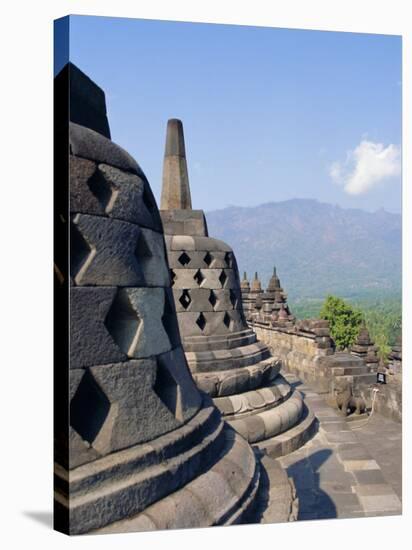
x,y
225,357
141,448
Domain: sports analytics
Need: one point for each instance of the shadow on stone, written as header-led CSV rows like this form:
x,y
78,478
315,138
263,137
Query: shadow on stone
x,y
314,503
44,518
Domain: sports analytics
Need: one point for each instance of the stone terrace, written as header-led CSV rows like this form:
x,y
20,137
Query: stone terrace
x,y
348,469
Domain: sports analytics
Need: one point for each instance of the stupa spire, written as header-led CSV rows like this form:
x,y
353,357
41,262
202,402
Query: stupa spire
x,y
175,190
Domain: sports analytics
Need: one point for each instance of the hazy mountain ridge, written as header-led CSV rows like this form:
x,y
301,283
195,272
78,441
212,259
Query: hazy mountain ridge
x,y
317,247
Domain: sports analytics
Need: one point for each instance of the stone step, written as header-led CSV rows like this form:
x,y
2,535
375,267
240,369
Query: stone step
x,y
354,419
292,439
259,426
235,381
220,360
343,371
276,500
359,379
341,359
222,495
236,407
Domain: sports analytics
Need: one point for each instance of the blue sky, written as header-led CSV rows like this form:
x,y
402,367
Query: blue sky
x,y
269,114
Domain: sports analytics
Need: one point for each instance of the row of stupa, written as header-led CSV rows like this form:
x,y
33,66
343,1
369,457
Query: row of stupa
x,y
169,389
268,306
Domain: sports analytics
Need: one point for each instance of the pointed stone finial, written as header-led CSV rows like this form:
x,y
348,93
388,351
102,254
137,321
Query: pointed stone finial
x,y
256,286
244,283
274,282
175,190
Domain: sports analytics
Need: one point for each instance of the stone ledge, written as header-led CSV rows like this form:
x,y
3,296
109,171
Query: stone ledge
x,y
288,442
209,499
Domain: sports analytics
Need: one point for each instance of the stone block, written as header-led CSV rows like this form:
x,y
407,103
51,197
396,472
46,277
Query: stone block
x,y
272,422
131,199
187,259
322,332
90,145
149,335
185,278
105,190
182,242
367,477
207,383
205,323
80,451
151,256
81,197
193,299
90,341
190,397
87,100
144,404
114,252
103,252
211,245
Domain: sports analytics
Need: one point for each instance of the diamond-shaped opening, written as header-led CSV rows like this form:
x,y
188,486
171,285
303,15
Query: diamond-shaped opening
x,y
222,278
169,319
228,259
233,297
208,259
101,188
184,259
167,389
172,277
198,277
79,250
226,319
185,299
212,298
201,321
88,408
123,322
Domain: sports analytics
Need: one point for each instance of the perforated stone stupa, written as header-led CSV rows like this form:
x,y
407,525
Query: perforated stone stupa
x,y
146,449
269,306
225,357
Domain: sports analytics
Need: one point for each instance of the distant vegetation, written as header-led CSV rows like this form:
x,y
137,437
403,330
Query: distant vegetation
x,y
344,321
383,316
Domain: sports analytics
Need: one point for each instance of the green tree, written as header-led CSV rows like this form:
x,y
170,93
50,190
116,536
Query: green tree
x,y
344,321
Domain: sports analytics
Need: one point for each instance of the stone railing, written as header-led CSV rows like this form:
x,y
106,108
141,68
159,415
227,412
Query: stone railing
x,y
299,345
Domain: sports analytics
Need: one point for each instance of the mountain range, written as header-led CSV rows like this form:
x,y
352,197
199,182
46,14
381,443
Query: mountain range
x,y
317,248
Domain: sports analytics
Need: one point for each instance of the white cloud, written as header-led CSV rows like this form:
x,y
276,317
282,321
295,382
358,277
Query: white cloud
x,y
366,166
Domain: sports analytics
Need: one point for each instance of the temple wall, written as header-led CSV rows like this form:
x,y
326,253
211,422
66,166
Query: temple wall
x,y
389,400
299,353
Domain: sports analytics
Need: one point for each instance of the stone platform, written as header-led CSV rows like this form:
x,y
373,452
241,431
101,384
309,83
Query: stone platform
x,y
348,469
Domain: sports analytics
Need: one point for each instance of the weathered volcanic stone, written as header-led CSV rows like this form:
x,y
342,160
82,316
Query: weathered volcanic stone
x,y
90,341
208,298
141,446
102,189
114,251
175,191
157,404
88,144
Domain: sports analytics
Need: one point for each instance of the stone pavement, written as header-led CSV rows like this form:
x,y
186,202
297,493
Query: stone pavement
x,y
341,472
383,439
